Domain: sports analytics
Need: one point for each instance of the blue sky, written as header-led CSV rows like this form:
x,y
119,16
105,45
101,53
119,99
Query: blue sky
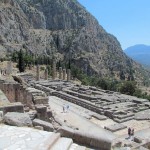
x,y
128,20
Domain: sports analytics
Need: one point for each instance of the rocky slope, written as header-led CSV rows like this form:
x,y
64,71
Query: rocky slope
x,y
63,28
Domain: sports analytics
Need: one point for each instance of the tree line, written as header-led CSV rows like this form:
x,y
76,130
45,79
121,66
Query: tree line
x,y
25,59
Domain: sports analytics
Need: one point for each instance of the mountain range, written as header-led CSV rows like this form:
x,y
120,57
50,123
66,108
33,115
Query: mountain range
x,y
64,29
139,53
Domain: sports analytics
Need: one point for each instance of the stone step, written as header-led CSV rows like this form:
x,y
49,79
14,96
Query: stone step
x,y
49,142
62,144
77,147
123,120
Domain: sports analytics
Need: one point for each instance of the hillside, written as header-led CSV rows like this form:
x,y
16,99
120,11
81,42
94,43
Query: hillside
x,y
66,30
140,53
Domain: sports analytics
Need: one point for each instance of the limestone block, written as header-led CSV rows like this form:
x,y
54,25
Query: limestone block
x,y
46,125
115,127
41,111
49,113
97,141
138,139
32,114
12,107
100,117
66,132
81,137
40,100
17,119
38,127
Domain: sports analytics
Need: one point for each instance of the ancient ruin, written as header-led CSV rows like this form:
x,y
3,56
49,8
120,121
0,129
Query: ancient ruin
x,y
81,116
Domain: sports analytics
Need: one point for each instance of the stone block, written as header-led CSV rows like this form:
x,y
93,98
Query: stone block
x,y
46,125
38,127
32,114
41,111
99,117
40,100
17,119
138,139
115,127
12,107
49,113
143,115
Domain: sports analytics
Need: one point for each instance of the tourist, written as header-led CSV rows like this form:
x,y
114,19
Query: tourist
x,y
63,108
67,107
129,132
132,132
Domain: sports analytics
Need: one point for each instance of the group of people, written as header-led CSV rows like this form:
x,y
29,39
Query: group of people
x,y
130,132
65,108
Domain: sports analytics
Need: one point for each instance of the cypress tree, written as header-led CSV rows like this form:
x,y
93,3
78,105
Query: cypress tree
x,y
21,63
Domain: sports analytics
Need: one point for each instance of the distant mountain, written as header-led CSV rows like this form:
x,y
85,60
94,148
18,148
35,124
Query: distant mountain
x,y
139,53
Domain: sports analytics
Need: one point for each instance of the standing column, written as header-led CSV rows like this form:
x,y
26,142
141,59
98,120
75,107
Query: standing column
x,y
54,70
46,74
64,74
60,73
68,74
9,67
38,73
30,66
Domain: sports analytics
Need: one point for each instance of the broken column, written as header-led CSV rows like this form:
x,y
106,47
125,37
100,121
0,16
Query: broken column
x,y
68,74
60,73
54,70
46,74
9,67
38,73
64,74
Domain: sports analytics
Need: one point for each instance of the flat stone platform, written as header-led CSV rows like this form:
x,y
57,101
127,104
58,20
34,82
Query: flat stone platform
x,y
21,138
24,138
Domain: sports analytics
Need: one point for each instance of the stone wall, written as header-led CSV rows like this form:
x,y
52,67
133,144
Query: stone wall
x,y
16,93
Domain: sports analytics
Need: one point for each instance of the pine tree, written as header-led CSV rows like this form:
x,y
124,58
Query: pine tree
x,y
21,63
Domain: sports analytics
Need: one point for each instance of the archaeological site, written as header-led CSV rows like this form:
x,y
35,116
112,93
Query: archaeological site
x,y
54,113
65,83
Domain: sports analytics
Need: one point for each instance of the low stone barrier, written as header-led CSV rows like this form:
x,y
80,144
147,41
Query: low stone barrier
x,y
95,141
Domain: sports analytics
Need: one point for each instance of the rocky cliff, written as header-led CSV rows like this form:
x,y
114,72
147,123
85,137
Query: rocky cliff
x,y
65,29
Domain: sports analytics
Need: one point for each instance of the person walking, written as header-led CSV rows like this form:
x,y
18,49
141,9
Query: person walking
x,y
132,132
129,132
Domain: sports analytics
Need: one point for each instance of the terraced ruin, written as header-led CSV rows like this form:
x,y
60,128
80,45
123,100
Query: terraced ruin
x,y
82,117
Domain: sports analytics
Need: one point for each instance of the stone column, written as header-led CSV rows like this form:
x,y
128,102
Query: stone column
x,y
46,74
30,66
54,70
64,74
60,73
38,73
9,67
68,74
